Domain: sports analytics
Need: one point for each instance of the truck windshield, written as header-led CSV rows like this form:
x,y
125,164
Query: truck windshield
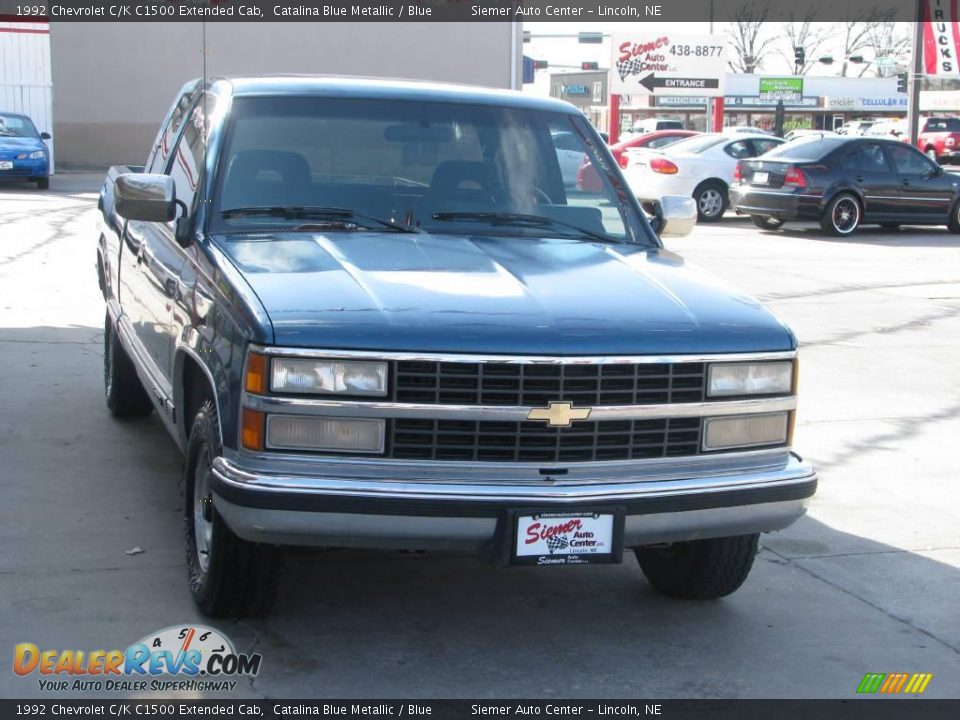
x,y
433,166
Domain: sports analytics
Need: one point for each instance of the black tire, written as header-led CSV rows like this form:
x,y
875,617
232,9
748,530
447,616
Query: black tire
x,y
712,200
699,569
43,183
842,215
953,224
766,223
121,387
228,576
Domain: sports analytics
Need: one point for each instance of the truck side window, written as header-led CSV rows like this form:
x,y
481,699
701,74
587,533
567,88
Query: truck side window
x,y
161,153
187,163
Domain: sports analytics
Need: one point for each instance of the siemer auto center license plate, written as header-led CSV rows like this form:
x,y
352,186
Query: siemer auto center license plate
x,y
567,538
6,165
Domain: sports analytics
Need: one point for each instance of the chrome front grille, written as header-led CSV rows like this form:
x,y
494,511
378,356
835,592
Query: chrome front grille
x,y
469,440
534,385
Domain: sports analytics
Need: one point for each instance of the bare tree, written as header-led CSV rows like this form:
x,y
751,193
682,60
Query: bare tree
x,y
801,30
747,36
857,32
889,40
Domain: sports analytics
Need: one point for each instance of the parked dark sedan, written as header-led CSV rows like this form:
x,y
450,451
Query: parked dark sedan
x,y
844,183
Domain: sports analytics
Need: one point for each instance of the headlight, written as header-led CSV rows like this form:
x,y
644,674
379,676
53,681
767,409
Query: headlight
x,y
37,155
766,378
328,377
329,434
738,431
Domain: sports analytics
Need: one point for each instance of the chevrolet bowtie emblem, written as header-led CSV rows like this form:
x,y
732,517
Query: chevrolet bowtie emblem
x,y
559,414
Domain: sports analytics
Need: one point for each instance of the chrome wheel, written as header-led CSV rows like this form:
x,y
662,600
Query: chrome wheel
x,y
845,215
202,509
710,202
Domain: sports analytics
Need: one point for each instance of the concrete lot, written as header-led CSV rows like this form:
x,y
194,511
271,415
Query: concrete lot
x,y
868,582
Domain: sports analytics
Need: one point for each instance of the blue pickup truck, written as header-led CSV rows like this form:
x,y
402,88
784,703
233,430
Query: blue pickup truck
x,y
372,314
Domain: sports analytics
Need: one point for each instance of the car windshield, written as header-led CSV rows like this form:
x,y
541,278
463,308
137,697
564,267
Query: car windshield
x,y
17,126
344,164
697,144
943,125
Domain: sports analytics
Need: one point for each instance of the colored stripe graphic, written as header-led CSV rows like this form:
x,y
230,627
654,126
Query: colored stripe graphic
x,y
871,682
894,683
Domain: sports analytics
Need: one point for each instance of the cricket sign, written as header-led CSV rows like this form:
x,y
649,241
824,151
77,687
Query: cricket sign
x,y
662,63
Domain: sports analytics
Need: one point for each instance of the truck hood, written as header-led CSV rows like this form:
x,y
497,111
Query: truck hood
x,y
503,295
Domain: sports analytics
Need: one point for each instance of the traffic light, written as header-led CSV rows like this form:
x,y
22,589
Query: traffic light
x,y
826,60
858,59
589,66
540,64
799,56
902,79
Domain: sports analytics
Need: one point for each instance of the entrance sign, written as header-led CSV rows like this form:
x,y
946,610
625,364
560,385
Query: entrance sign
x,y
647,62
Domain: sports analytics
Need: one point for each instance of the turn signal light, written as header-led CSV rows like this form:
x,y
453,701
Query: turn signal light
x,y
256,376
623,161
663,166
251,431
795,177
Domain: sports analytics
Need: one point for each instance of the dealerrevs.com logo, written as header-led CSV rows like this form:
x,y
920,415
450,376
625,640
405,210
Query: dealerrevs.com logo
x,y
177,658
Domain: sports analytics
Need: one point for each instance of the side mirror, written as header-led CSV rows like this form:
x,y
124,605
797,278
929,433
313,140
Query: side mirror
x,y
673,215
46,136
142,196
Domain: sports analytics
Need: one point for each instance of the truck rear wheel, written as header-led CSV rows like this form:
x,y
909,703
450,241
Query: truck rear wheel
x,y
699,569
122,388
229,577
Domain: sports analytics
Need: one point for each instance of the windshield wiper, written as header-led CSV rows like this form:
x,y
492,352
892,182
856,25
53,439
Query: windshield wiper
x,y
341,218
521,220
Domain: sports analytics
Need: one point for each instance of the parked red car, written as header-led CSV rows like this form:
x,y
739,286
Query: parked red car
x,y
940,138
589,181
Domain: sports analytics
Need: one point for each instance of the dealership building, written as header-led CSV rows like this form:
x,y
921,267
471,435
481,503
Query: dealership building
x,y
824,103
102,88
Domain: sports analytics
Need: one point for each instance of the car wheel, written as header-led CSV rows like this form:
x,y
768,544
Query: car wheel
x,y
699,569
953,224
122,388
842,215
43,183
711,198
766,223
228,576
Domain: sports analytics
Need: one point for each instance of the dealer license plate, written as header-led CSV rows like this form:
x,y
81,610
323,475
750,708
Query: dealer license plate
x,y
568,538
760,178
6,164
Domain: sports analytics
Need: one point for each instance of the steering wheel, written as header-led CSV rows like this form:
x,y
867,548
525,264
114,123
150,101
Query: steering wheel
x,y
505,192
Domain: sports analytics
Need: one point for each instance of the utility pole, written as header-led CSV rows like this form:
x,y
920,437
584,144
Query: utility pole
x,y
710,110
916,76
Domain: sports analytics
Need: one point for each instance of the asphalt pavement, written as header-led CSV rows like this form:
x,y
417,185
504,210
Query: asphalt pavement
x,y
869,581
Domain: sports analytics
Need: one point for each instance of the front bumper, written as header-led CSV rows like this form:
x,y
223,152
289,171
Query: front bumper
x,y
27,168
667,502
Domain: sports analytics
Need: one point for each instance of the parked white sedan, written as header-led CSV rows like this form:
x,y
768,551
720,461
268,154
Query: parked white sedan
x,y
701,167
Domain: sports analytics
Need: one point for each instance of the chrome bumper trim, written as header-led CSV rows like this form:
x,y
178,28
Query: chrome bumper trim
x,y
379,409
551,491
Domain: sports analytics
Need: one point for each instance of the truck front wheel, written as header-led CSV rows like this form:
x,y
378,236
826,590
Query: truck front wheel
x,y
699,569
229,577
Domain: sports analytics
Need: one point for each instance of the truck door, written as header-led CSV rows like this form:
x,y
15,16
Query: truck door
x,y
159,260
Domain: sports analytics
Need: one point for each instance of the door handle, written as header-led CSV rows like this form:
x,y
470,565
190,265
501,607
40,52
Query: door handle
x,y
905,183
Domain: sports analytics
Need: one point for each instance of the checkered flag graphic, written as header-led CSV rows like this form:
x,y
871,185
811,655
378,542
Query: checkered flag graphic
x,y
629,67
557,542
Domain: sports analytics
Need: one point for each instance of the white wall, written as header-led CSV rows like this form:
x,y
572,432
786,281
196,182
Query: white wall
x,y
25,85
114,81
